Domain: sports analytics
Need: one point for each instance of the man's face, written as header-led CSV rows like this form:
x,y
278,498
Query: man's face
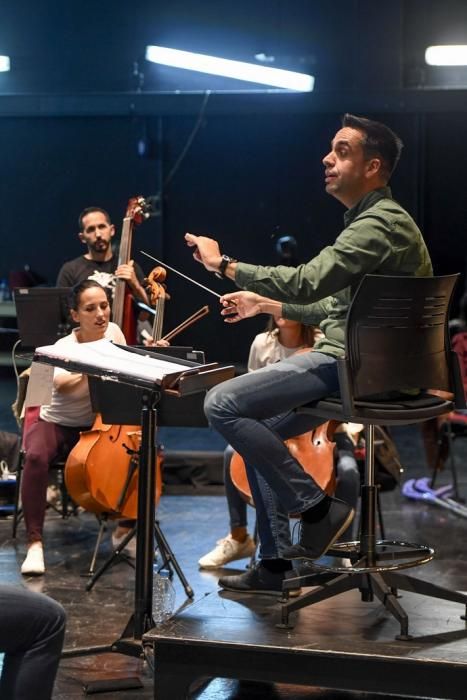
x,y
347,172
97,232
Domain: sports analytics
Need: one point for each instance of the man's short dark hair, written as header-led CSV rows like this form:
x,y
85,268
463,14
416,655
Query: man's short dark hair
x,y
379,141
91,210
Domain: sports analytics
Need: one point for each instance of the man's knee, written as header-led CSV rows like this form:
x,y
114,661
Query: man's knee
x,y
58,615
216,404
53,616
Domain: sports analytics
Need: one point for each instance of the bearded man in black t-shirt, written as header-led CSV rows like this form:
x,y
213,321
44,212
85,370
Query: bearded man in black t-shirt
x,y
99,263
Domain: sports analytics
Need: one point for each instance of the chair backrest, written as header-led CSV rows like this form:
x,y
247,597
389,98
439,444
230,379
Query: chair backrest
x,y
397,337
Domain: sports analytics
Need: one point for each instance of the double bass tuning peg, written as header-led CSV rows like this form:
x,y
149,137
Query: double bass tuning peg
x,y
150,206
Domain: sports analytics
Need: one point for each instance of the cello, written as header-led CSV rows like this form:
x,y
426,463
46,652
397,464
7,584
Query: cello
x,y
314,450
158,294
101,471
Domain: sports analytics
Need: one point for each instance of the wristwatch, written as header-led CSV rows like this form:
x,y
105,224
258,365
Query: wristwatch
x,y
225,260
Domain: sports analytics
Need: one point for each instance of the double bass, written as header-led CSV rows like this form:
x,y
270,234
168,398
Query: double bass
x,y
101,471
122,305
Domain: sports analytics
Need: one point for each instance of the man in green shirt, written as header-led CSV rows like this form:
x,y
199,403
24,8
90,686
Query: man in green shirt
x,y
255,412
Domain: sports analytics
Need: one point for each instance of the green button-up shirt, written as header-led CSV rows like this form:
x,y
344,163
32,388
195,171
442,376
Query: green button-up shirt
x,y
379,238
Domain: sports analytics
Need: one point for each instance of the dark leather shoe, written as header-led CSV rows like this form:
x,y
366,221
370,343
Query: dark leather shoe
x,y
317,538
258,580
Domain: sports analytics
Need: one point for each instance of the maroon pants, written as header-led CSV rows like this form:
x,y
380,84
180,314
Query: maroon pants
x,y
44,442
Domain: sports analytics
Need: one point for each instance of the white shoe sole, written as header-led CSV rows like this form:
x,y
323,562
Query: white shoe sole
x,y
33,565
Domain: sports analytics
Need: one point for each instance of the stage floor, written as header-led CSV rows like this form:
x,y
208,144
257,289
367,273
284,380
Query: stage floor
x,y
345,640
340,644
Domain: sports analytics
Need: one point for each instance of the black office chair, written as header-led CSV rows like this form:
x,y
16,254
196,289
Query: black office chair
x,y
396,339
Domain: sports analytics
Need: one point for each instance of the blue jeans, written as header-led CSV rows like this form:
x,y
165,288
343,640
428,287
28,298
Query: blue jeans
x,y
237,505
32,628
255,414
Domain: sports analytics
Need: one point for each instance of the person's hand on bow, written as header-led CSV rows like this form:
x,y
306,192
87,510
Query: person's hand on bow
x,y
240,305
151,343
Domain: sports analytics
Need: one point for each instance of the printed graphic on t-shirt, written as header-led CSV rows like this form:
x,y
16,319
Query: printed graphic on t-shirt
x,y
105,279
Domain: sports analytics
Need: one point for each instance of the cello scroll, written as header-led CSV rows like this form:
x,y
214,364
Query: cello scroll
x,y
157,295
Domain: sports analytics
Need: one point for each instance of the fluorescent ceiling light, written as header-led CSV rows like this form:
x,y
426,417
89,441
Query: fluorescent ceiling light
x,y
449,55
4,63
250,72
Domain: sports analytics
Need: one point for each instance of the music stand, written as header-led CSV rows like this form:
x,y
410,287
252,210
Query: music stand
x,y
42,314
119,404
181,381
183,352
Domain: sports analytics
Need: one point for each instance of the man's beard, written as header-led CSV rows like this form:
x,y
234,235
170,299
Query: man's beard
x,y
100,246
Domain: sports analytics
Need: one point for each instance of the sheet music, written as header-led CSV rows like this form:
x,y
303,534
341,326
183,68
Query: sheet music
x,y
106,355
39,389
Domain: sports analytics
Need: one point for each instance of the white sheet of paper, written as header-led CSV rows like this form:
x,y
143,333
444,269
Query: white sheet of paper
x,y
105,355
39,389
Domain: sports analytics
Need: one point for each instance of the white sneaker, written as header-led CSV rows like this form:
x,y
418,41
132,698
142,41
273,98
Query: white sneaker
x,y
34,565
343,562
227,550
130,549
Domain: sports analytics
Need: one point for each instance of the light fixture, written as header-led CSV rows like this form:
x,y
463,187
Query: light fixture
x,y
448,55
250,72
4,64
264,58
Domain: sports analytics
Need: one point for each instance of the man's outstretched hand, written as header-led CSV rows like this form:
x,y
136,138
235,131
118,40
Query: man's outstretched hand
x,y
206,251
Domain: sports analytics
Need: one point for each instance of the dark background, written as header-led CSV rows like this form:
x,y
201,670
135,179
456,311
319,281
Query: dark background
x,y
85,120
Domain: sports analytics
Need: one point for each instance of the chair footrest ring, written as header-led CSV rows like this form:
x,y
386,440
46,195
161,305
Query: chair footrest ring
x,y
388,555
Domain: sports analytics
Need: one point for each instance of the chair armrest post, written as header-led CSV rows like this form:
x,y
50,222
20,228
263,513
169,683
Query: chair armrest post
x,y
345,386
